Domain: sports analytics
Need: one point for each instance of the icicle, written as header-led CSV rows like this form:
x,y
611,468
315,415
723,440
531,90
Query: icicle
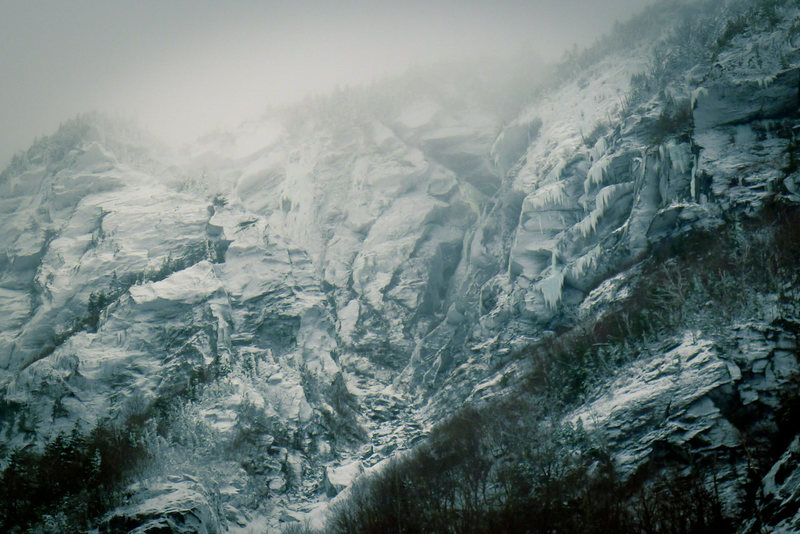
x,y
603,198
679,157
548,196
597,174
599,149
586,263
551,288
555,174
588,224
644,164
609,194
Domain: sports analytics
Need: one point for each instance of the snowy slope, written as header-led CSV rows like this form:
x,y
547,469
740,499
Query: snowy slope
x,y
299,299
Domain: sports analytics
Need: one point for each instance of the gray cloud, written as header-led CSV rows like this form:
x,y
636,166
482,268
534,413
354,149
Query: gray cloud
x,y
181,67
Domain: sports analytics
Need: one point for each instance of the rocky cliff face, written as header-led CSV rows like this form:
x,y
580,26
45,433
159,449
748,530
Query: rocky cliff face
x,y
286,305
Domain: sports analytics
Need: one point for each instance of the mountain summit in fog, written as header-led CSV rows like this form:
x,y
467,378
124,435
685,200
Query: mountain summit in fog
x,y
482,296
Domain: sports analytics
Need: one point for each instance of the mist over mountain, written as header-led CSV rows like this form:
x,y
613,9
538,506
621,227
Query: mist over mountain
x,y
494,295
184,67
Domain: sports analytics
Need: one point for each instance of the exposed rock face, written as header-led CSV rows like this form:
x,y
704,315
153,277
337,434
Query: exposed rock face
x,y
779,489
358,275
700,396
165,507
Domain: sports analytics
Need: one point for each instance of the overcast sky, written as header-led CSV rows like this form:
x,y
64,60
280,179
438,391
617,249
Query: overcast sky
x,y
181,67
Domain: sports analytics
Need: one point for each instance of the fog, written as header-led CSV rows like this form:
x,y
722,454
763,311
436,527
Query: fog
x,y
180,68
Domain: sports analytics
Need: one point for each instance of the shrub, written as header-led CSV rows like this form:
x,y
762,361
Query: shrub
x,y
674,121
219,201
733,27
484,472
71,482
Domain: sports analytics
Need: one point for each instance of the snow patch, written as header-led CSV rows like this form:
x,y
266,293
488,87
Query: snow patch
x,y
190,286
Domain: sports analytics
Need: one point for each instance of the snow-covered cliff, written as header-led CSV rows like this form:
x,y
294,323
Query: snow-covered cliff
x,y
284,305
